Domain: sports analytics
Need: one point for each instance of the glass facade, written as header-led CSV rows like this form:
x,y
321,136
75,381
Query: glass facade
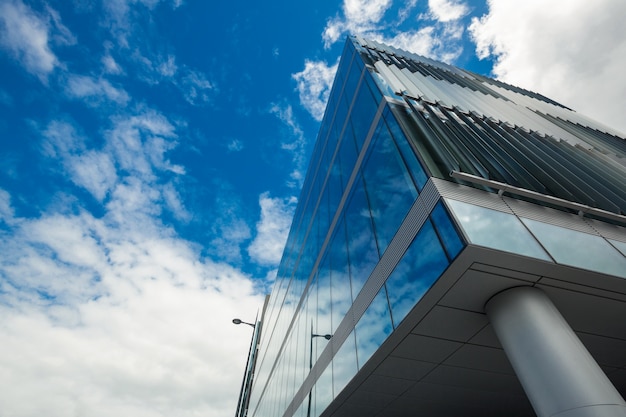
x,y
363,179
369,168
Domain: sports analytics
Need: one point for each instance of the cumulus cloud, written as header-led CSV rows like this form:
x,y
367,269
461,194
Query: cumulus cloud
x,y
313,84
103,318
272,229
114,313
26,36
438,34
447,10
572,51
359,16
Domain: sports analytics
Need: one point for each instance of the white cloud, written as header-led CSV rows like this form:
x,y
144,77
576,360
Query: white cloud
x,y
359,16
117,319
174,203
438,36
90,169
573,51
314,83
168,67
441,41
110,65
447,10
90,88
116,314
94,171
6,209
235,145
272,229
296,142
195,87
25,35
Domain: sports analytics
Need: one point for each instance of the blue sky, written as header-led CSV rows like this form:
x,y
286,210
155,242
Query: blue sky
x,y
151,156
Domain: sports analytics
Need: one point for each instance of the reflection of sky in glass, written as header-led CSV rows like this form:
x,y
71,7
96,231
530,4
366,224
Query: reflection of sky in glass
x,y
495,229
373,327
323,391
362,251
420,266
344,364
582,250
446,230
621,246
340,276
390,189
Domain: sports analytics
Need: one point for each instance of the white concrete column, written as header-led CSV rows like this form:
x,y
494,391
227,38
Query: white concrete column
x,y
557,372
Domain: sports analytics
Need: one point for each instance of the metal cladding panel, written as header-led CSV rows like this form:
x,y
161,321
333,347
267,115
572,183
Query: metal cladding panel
x,y
548,215
506,134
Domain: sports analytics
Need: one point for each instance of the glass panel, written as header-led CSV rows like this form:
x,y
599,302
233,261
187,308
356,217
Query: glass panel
x,y
347,156
344,365
362,251
418,269
447,232
621,246
352,82
574,248
373,328
323,325
390,189
362,115
415,168
340,276
495,229
323,391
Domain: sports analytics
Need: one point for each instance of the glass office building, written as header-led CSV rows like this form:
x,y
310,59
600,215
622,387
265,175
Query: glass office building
x,y
455,239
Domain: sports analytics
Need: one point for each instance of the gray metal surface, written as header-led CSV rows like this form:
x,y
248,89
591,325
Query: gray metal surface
x,y
557,372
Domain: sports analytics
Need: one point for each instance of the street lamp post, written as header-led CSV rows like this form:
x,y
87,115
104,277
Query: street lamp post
x,y
248,376
313,336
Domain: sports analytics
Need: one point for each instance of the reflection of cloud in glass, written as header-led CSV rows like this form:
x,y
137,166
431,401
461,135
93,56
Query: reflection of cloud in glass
x,y
344,365
373,327
362,251
420,266
390,189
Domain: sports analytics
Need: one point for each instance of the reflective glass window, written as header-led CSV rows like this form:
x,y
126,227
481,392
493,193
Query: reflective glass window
x,y
344,365
574,248
323,324
362,251
347,157
495,229
415,168
339,276
362,115
419,268
446,230
390,189
373,327
352,81
372,86
323,390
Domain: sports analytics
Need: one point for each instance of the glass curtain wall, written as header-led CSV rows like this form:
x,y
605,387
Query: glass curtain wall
x,y
362,180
